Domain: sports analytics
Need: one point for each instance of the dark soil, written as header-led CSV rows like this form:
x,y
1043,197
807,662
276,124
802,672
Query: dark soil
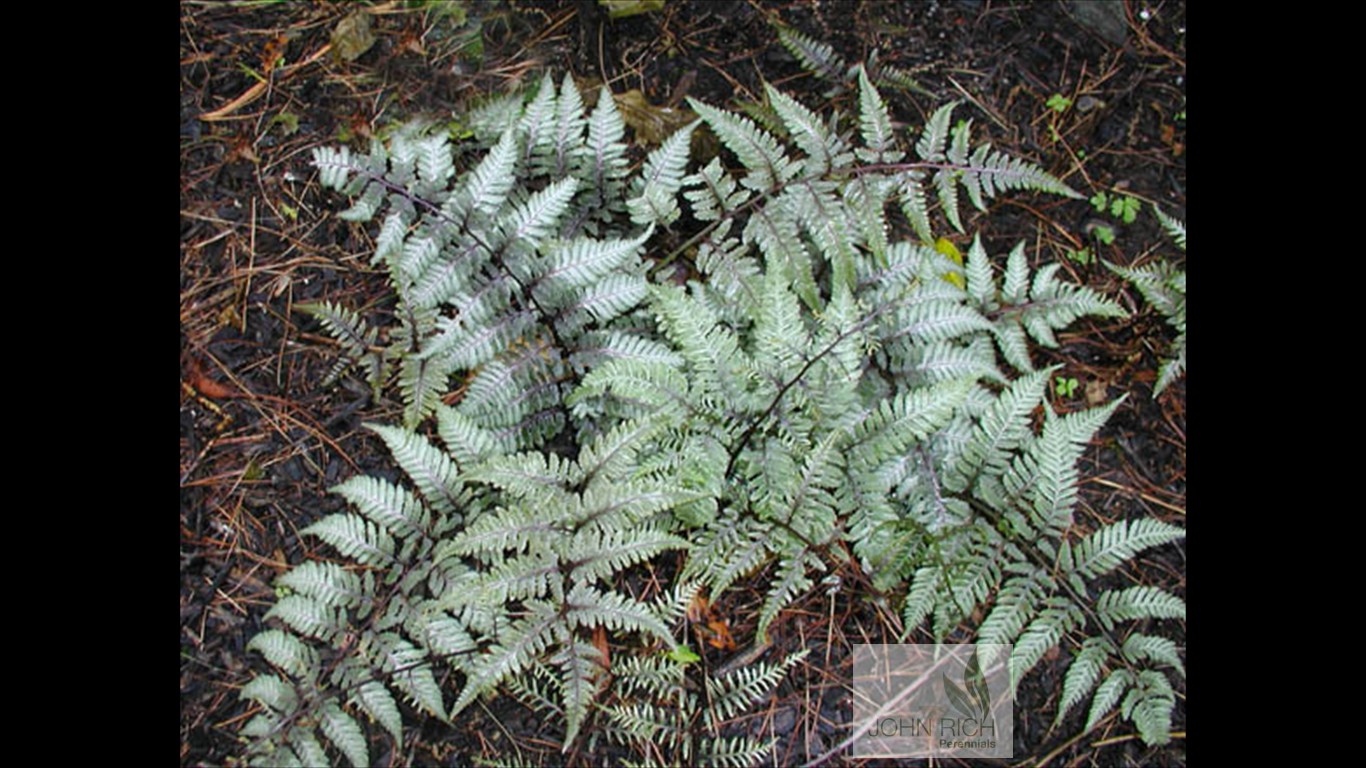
x,y
261,440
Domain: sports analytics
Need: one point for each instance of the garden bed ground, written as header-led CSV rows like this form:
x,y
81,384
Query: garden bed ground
x,y
1093,92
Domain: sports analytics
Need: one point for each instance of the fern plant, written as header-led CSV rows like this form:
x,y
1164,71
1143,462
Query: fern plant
x,y
826,386
1164,286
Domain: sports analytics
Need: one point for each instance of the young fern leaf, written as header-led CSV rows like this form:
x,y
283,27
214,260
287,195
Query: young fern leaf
x,y
814,55
875,125
756,148
823,149
655,192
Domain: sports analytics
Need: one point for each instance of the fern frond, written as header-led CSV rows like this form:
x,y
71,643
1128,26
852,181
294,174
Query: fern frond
x,y
518,644
580,663
927,322
435,166
655,192
734,752
1164,287
1086,668
355,537
271,692
934,136
606,300
1138,603
612,456
380,705
508,528
328,583
576,264
514,578
334,166
981,286
567,131
1109,547
307,747
997,172
1055,304
1042,635
439,633
902,421
715,192
345,734
1139,648
710,349
824,150
651,385
389,241
1108,694
410,672
587,607
1149,706
467,442
1015,607
814,55
605,156
285,651
347,327
599,554
307,616
777,231
757,149
1174,226
733,694
790,580
999,431
728,549
1052,487
1049,304
875,125
530,223
398,511
487,186
1173,368
537,124
365,207
422,380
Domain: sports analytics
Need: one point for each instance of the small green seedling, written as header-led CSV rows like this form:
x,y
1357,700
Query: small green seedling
x,y
618,9
683,655
1058,103
1082,256
1104,234
288,122
1065,386
1124,208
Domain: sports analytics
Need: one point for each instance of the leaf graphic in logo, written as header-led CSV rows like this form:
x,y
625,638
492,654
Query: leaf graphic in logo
x,y
957,697
976,683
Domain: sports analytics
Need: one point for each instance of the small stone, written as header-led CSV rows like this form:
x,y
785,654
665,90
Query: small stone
x,y
784,720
